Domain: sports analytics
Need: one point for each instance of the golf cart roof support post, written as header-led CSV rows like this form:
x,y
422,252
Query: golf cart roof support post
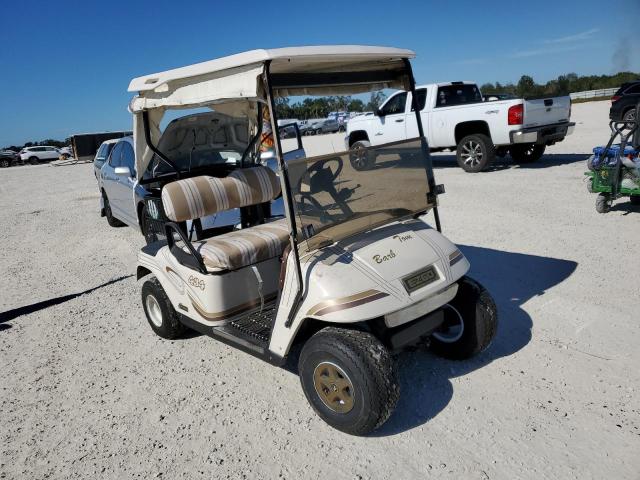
x,y
286,192
147,139
428,164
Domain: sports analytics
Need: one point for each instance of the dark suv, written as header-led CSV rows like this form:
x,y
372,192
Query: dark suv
x,y
623,103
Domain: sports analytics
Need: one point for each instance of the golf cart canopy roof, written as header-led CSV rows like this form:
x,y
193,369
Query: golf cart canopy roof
x,y
292,68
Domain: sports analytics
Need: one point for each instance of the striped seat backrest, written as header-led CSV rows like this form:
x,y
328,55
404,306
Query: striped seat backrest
x,y
198,197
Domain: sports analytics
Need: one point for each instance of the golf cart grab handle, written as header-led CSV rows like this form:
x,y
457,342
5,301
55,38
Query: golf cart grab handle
x,y
169,226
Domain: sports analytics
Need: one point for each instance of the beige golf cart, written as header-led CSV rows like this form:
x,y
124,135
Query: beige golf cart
x,y
352,271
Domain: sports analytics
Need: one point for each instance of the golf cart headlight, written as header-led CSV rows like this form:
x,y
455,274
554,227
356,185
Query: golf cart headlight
x,y
455,257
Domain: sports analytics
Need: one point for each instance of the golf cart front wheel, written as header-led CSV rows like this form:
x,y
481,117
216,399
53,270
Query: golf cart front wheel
x,y
603,203
161,315
471,321
348,378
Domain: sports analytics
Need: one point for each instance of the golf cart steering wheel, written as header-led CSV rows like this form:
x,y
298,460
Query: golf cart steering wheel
x,y
321,176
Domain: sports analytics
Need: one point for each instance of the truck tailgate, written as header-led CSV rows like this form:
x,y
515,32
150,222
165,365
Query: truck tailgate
x,y
546,111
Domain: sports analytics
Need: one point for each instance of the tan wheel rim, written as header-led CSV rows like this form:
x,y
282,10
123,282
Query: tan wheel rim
x,y
334,387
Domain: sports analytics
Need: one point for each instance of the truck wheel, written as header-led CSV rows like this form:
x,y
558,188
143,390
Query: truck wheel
x,y
361,158
471,321
160,313
603,203
5,163
475,153
34,160
528,153
349,380
111,220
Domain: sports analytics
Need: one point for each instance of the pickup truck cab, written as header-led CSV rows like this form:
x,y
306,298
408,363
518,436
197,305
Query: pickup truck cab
x,y
454,115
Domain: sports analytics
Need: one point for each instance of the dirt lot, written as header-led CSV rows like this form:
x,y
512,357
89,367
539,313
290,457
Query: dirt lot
x,y
87,391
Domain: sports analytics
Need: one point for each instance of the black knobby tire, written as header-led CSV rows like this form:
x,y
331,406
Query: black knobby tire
x,y
5,163
369,368
528,153
634,199
111,220
170,326
475,153
34,160
477,310
360,158
603,203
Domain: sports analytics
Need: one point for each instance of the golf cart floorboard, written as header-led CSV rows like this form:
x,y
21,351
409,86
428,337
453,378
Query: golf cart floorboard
x,y
248,332
257,323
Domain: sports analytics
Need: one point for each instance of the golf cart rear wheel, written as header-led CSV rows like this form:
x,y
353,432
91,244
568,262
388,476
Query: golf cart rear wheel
x,y
349,380
634,199
360,158
528,153
161,315
603,203
475,153
471,321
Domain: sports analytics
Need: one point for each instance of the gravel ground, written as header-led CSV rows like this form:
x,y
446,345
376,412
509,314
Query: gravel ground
x,y
87,391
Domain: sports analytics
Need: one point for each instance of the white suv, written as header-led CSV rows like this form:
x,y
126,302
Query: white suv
x,y
39,153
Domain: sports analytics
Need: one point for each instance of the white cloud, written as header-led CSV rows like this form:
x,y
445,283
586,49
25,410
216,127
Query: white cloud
x,y
543,51
576,37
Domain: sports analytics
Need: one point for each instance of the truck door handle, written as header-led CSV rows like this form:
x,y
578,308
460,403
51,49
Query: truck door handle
x,y
399,120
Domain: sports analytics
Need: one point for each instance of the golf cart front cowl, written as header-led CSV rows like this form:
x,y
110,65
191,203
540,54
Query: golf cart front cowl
x,y
399,272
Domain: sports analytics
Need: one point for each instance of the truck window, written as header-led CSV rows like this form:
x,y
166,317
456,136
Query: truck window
x,y
421,97
396,104
450,95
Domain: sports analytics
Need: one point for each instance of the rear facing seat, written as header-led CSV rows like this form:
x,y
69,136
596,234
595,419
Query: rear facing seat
x,y
197,197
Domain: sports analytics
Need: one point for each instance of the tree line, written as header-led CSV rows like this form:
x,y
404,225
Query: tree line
x,y
563,85
320,107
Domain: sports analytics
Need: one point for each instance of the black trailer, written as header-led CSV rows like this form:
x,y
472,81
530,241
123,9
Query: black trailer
x,y
85,145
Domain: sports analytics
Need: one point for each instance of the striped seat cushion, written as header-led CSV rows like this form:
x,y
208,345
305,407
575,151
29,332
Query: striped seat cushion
x,y
198,197
240,248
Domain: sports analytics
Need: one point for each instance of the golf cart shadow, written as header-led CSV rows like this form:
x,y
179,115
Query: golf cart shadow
x,y
547,161
512,279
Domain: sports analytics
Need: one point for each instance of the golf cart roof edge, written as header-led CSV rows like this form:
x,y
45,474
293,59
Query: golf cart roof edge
x,y
330,52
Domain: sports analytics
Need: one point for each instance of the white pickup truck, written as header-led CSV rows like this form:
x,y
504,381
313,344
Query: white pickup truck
x,y
454,116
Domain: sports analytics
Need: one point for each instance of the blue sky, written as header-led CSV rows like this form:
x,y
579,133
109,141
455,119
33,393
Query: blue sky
x,y
66,65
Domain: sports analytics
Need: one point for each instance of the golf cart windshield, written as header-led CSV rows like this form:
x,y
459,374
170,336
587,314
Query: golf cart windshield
x,y
335,198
